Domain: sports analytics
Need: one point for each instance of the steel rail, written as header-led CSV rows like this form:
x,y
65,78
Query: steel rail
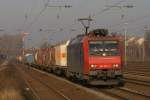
x,y
2,68
137,73
134,92
28,84
122,90
50,88
119,97
136,81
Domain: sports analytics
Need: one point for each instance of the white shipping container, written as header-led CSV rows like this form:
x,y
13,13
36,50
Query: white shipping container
x,y
61,53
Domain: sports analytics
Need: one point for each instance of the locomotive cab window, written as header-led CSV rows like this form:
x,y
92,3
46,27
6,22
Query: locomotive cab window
x,y
103,48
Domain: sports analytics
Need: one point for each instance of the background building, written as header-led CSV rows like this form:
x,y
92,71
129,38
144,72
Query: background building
x,y
138,48
11,45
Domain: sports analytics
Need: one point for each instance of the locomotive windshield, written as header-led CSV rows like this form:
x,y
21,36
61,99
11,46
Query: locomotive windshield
x,y
103,48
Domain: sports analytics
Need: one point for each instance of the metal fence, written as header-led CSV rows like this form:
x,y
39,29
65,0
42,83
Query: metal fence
x,y
138,50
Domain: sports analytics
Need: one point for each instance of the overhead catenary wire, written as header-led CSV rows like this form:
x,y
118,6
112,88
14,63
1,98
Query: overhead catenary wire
x,y
93,16
106,9
24,22
32,8
36,18
28,14
38,15
46,5
131,20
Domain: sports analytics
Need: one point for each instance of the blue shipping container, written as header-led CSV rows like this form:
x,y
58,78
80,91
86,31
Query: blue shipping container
x,y
30,59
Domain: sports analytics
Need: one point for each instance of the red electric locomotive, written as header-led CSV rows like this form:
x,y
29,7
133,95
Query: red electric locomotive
x,y
96,58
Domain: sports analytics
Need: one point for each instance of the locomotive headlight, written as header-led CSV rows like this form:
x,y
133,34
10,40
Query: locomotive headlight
x,y
93,66
115,65
104,54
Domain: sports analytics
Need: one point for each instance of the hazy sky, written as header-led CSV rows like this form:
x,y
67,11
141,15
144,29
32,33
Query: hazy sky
x,y
56,24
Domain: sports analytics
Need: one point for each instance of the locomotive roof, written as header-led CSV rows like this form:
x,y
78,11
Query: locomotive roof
x,y
105,38
79,38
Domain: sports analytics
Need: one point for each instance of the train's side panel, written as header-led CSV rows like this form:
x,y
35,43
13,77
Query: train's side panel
x,y
57,55
52,58
63,55
39,57
86,69
49,57
45,56
75,60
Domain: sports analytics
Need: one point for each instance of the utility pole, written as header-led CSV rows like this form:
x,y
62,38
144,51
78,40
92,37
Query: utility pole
x,y
23,35
83,22
121,7
145,29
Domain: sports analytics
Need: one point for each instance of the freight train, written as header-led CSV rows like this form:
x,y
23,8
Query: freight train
x,y
95,58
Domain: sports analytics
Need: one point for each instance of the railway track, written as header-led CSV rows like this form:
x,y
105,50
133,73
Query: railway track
x,y
135,81
45,92
141,63
2,68
3,65
77,96
134,89
137,69
2,78
138,73
50,88
12,86
129,94
124,94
